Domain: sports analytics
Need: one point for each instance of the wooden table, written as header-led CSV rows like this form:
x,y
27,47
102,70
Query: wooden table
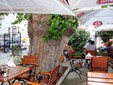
x,y
96,78
13,73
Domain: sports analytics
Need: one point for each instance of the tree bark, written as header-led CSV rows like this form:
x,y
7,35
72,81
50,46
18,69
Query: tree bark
x,y
48,52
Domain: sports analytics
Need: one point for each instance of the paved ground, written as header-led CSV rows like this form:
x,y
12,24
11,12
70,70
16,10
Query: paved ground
x,y
73,78
5,57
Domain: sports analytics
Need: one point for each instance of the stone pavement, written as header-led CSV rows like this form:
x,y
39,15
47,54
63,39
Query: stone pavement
x,y
73,78
5,57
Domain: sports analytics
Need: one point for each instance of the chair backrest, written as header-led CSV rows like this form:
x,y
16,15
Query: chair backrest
x,y
53,75
92,52
17,83
30,60
99,64
94,78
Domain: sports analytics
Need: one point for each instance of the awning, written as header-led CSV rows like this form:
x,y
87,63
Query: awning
x,y
35,6
63,7
97,20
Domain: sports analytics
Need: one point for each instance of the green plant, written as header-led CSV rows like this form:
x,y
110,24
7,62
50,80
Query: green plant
x,y
21,16
16,50
58,24
105,35
78,40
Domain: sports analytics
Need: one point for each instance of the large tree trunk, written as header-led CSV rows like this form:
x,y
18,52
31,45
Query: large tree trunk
x,y
49,52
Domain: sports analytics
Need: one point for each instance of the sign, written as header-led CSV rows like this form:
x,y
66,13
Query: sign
x,y
104,1
97,24
63,1
80,15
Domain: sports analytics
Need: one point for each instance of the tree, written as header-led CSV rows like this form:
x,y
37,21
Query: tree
x,y
50,51
105,35
48,34
78,40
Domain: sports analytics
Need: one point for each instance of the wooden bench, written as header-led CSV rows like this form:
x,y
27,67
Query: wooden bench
x,y
95,78
51,78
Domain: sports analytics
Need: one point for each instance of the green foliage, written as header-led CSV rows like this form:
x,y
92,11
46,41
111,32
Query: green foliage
x,y
20,17
3,14
78,40
105,35
58,24
16,51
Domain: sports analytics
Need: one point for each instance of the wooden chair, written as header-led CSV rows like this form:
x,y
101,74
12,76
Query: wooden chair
x,y
32,83
32,62
51,76
92,52
95,78
17,83
99,64
75,64
75,67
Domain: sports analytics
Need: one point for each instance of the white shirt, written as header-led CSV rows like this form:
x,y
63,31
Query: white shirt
x,y
90,47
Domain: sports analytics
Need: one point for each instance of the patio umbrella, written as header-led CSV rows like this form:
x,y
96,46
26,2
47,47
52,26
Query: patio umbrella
x,y
36,6
77,4
63,7
96,20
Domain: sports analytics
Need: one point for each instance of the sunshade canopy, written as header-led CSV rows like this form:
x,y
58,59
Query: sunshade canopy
x,y
35,6
63,7
98,20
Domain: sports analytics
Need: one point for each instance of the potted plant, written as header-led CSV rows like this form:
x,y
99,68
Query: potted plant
x,y
78,40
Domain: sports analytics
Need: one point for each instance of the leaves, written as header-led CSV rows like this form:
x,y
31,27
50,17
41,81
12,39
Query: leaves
x,y
78,40
58,24
20,17
105,35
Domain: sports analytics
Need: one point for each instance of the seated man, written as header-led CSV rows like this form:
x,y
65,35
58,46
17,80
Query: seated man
x,y
90,46
109,50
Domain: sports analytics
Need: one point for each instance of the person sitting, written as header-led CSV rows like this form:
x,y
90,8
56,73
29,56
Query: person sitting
x,y
88,43
90,46
109,49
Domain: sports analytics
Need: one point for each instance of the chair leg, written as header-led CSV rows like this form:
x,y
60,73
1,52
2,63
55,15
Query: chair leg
x,y
73,70
79,71
13,80
34,73
69,72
